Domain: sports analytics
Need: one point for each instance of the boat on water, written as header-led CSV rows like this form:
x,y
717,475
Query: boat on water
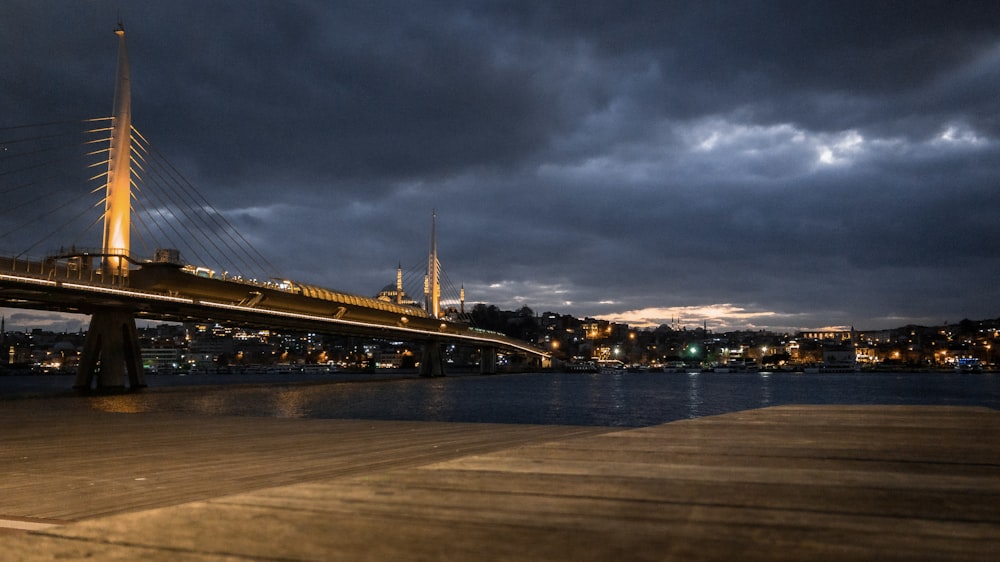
x,y
830,368
606,366
675,367
736,366
581,367
610,366
968,365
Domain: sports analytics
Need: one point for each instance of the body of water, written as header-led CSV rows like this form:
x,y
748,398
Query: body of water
x,y
620,399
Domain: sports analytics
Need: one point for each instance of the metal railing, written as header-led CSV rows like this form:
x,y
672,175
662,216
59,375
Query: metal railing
x,y
78,267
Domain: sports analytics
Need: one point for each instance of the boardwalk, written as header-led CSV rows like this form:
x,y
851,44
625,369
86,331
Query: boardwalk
x,y
783,483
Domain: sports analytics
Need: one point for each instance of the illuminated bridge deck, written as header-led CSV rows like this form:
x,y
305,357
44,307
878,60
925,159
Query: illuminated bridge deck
x,y
783,483
164,292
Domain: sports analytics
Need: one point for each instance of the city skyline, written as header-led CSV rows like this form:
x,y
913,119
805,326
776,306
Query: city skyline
x,y
773,165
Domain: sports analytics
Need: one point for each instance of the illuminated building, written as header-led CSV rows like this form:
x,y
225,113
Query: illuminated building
x,y
394,293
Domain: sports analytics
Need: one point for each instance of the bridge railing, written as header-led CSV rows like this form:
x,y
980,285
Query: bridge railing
x,y
51,270
67,267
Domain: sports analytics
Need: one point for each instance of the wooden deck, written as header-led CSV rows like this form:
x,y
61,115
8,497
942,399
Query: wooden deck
x,y
783,483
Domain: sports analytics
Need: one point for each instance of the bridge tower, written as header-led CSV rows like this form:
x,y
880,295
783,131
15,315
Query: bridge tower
x,y
432,283
111,349
118,197
432,359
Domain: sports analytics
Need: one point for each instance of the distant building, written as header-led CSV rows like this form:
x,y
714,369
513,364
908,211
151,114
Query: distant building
x,y
389,293
162,358
840,358
394,293
823,335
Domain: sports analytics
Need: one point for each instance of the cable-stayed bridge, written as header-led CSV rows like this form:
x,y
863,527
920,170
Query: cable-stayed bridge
x,y
193,265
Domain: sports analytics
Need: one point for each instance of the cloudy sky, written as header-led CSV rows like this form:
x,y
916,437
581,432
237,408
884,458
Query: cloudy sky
x,y
780,164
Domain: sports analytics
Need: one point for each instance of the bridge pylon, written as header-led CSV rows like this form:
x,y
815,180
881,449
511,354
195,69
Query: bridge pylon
x,y
112,346
488,361
118,196
431,359
110,351
432,282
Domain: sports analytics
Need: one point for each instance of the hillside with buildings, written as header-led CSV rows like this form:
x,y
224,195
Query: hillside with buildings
x,y
174,348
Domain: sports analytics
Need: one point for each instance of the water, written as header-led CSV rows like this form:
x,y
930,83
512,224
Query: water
x,y
620,399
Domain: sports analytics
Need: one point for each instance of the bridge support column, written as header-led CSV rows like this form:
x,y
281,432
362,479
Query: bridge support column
x,y
110,351
431,360
488,361
546,363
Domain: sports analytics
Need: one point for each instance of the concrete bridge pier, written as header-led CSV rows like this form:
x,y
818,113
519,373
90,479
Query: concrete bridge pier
x,y
543,363
488,361
110,350
431,359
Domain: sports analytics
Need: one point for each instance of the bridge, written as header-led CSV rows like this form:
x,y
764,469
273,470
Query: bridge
x,y
115,286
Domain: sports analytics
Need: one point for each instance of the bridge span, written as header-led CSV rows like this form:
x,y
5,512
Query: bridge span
x,y
166,292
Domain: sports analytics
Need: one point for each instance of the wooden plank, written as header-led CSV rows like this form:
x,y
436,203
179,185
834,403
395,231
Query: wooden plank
x,y
786,483
78,464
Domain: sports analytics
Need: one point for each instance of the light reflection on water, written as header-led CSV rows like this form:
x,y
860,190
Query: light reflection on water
x,y
554,407
116,404
765,389
694,399
619,399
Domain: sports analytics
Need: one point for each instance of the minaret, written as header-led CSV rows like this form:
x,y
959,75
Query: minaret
x,y
399,284
118,201
433,273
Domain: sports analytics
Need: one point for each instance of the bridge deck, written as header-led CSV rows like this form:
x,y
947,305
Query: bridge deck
x,y
816,482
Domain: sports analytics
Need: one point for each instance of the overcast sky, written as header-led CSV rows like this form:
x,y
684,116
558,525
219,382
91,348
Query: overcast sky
x,y
777,165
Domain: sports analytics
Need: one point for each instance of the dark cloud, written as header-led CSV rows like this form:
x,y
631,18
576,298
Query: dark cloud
x,y
784,164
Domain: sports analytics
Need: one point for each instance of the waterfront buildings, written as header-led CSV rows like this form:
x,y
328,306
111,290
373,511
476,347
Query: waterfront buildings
x,y
168,348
